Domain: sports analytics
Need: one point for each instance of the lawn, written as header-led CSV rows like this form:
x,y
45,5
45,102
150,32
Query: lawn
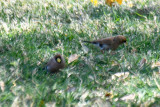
x,y
32,31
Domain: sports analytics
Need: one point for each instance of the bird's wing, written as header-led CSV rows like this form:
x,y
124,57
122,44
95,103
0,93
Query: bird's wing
x,y
107,41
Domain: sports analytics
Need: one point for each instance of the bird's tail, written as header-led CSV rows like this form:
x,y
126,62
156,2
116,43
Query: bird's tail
x,y
87,41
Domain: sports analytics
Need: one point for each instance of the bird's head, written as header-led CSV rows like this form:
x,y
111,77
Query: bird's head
x,y
120,39
56,63
60,61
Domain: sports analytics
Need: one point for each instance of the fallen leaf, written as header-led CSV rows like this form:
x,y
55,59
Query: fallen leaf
x,y
15,102
2,86
101,103
108,94
128,97
156,64
122,74
91,77
72,58
50,104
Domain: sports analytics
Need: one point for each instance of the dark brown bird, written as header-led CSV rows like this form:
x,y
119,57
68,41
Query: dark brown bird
x,y
55,64
110,43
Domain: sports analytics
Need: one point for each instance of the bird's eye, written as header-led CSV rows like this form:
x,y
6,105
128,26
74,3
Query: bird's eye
x,y
58,60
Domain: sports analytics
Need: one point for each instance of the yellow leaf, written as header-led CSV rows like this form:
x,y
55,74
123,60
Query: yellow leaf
x,y
95,2
109,2
119,1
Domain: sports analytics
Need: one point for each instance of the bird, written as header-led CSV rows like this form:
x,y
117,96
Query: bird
x,y
55,64
110,43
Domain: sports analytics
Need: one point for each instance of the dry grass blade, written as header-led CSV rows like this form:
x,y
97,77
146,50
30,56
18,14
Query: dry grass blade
x,y
2,85
142,62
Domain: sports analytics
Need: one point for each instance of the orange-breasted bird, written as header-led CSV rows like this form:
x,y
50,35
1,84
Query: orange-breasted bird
x,y
55,64
110,43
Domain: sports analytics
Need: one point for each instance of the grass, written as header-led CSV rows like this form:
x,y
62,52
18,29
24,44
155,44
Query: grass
x,y
31,32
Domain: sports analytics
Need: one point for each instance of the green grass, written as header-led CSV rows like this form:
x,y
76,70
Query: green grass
x,y
32,31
